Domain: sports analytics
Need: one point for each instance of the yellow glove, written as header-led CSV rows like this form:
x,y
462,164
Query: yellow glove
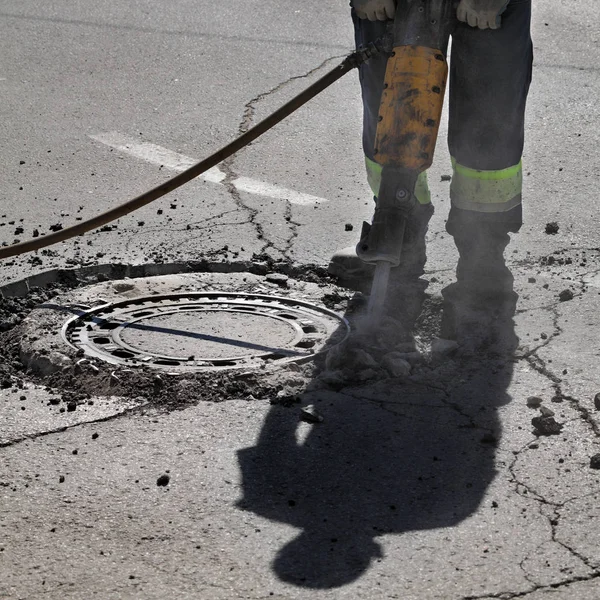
x,y
374,10
484,14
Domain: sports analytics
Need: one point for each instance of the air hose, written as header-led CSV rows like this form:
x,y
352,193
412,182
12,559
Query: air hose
x,y
350,62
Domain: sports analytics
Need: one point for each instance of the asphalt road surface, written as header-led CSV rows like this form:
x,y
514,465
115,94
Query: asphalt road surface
x,y
99,101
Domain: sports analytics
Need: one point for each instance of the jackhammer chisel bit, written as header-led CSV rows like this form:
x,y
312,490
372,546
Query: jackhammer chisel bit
x,y
409,119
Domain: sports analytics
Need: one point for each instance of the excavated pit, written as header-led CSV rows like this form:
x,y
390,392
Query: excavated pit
x,y
171,335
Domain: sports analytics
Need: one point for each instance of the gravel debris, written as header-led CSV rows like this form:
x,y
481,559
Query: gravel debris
x,y
163,480
277,278
310,414
396,365
565,295
534,401
441,347
546,426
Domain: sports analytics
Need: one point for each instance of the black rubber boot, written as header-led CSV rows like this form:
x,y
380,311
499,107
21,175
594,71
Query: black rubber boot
x,y
406,289
354,273
479,308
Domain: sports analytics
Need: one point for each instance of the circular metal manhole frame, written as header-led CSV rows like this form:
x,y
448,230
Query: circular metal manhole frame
x,y
97,331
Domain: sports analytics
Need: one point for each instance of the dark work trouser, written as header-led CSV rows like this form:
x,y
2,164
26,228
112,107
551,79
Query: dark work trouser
x,y
490,73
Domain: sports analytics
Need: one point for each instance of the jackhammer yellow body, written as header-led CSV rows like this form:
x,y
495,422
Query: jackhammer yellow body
x,y
409,119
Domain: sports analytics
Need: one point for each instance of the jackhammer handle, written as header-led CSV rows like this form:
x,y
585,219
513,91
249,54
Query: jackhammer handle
x,y
427,23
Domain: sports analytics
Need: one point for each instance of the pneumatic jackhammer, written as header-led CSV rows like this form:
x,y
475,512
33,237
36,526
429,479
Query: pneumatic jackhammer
x,y
409,119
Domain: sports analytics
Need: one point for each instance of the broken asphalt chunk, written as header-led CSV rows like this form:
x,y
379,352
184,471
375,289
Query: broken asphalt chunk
x,y
546,426
310,414
163,480
565,295
396,365
534,401
277,278
546,412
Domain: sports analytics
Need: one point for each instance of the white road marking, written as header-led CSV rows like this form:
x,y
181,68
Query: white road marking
x,y
179,162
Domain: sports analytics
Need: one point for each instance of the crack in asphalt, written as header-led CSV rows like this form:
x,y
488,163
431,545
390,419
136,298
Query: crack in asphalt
x,y
39,434
198,226
228,168
537,588
528,492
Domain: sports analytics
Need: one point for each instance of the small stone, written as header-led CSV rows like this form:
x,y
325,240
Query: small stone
x,y
71,406
310,414
531,280
75,452
395,364
277,278
95,435
533,446
544,336
546,425
367,375
361,358
54,401
333,379
552,228
163,480
412,357
61,479
597,401
565,295
534,401
546,412
348,227
441,347
446,178
406,347
595,461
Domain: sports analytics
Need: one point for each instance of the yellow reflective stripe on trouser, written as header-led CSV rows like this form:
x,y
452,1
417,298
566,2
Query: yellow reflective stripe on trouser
x,y
486,191
374,178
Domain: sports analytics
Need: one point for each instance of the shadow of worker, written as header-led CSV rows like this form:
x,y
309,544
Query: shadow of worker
x,y
388,458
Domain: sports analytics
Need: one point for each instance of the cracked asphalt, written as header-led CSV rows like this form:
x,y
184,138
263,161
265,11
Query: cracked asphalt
x,y
432,487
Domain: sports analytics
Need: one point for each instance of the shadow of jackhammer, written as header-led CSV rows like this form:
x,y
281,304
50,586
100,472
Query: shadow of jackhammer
x,y
389,457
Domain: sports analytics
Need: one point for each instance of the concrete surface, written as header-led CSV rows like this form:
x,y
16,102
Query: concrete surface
x,y
435,488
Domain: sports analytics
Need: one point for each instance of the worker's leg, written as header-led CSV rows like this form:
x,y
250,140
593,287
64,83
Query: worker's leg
x,y
490,73
344,263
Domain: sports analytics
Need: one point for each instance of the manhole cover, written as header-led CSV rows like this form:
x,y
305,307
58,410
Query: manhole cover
x,y
207,330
